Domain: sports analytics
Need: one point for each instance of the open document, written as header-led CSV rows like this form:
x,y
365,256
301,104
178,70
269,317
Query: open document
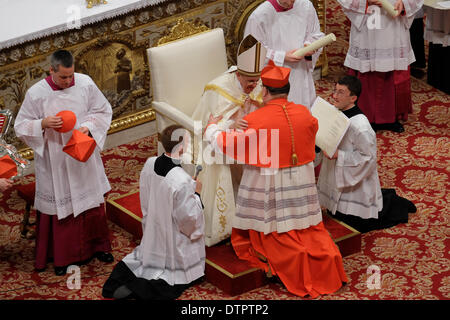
x,y
333,125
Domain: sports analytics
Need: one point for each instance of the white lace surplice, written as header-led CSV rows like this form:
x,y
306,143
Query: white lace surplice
x,y
386,45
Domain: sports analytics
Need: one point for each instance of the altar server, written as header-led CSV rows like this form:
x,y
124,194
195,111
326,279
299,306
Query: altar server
x,y
379,54
278,225
171,255
232,95
71,221
349,186
283,26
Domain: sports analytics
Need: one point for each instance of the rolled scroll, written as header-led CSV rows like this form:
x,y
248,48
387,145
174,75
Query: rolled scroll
x,y
389,8
322,42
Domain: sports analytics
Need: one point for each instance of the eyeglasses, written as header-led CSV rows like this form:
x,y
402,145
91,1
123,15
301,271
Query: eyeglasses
x,y
341,92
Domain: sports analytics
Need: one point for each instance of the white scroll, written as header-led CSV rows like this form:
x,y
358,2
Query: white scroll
x,y
333,125
322,42
389,8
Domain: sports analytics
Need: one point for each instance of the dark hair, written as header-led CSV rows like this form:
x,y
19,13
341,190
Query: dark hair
x,y
61,57
352,83
283,90
165,137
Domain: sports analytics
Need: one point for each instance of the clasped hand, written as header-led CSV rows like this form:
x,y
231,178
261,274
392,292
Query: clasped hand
x,y
291,57
239,124
397,6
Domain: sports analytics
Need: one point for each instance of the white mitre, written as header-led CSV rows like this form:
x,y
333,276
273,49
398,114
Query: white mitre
x,y
250,57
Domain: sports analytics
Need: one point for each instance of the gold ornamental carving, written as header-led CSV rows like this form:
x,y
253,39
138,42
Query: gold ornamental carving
x,y
91,3
182,29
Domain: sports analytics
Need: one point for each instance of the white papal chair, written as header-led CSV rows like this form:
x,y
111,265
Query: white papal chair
x,y
180,69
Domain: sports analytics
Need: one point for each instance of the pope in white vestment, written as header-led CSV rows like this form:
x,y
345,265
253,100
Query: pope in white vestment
x,y
65,187
231,95
283,30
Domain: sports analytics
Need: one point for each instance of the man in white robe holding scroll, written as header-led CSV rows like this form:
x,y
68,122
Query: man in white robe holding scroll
x,y
232,95
69,200
379,55
283,26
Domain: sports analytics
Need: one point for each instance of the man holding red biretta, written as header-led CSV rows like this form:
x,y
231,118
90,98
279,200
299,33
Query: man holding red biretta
x,y
70,185
278,224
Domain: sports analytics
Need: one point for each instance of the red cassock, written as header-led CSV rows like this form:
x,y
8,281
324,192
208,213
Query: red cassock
x,y
71,240
386,96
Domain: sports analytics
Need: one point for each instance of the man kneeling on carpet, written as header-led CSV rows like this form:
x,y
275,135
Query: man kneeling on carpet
x,y
348,183
278,223
171,255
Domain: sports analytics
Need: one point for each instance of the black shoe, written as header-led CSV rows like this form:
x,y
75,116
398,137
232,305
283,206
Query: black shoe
x,y
397,127
104,257
374,127
60,271
417,73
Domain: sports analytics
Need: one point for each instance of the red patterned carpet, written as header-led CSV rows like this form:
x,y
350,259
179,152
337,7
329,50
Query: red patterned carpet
x,y
413,258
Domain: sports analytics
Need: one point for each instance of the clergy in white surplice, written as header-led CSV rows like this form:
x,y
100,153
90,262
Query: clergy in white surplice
x,y
348,184
283,26
379,54
232,95
171,254
69,199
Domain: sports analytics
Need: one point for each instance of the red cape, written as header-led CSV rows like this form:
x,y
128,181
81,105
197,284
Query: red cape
x,y
256,145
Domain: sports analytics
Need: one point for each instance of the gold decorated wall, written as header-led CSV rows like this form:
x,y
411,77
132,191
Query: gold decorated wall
x,y
113,53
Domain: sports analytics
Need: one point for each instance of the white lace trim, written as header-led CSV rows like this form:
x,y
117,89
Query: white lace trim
x,y
437,37
382,54
83,22
68,204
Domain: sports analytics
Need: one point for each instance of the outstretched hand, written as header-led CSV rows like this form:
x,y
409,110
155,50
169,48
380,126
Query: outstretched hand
x,y
240,124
